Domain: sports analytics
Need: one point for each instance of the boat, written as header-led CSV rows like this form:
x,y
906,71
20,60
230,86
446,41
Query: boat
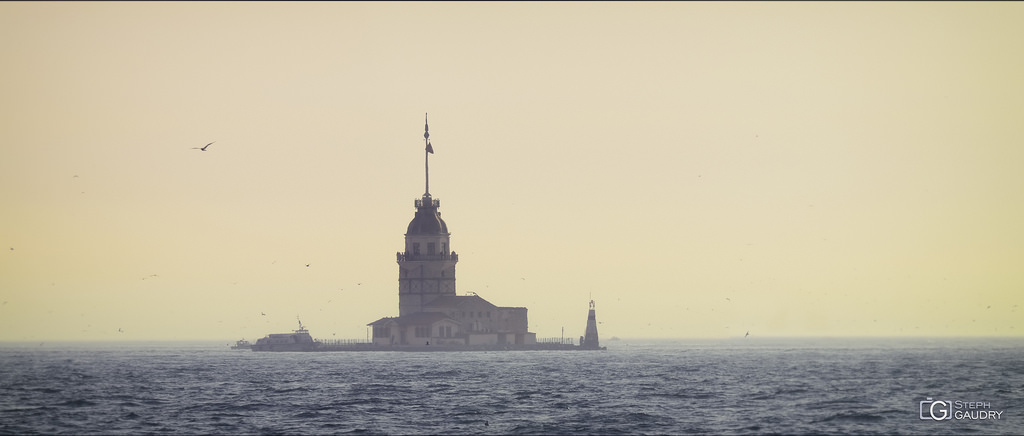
x,y
242,344
298,340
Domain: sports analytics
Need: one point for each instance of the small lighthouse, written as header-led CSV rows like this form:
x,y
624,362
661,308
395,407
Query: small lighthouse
x,y
590,341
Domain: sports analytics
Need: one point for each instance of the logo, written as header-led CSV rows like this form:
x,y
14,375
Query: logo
x,y
938,410
943,410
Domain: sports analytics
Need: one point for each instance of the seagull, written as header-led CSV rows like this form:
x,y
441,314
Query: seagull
x,y
748,334
203,148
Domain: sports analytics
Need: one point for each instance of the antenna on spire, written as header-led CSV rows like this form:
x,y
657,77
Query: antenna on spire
x,y
429,151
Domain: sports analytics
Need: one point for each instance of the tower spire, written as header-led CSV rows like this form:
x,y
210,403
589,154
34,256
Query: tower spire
x,y
429,151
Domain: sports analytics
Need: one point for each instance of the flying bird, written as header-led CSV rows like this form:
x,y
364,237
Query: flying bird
x,y
203,147
748,334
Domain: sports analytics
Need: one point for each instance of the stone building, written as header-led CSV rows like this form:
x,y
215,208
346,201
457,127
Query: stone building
x,y
429,310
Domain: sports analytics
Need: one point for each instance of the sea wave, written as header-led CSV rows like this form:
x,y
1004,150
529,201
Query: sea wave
x,y
648,389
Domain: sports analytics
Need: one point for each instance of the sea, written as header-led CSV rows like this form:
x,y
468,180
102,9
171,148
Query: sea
x,y
636,386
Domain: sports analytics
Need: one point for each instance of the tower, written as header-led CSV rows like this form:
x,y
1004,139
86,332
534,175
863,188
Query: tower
x,y
590,341
426,269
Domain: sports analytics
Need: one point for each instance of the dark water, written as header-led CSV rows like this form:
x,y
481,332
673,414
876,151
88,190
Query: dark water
x,y
791,386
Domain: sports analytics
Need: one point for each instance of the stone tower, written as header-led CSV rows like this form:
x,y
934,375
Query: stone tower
x,y
426,269
590,341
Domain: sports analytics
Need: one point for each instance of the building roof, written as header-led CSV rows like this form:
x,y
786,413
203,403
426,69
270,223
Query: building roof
x,y
460,301
382,321
419,318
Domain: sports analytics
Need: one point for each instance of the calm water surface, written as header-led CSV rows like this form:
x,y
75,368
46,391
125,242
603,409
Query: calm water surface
x,y
755,386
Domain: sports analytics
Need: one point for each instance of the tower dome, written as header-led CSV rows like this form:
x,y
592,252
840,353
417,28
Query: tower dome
x,y
427,220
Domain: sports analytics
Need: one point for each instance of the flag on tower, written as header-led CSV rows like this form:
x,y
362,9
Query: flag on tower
x,y
426,134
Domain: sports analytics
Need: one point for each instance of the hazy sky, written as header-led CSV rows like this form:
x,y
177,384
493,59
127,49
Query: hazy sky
x,y
699,169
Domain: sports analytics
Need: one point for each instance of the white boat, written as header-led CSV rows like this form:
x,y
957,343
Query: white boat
x,y
299,340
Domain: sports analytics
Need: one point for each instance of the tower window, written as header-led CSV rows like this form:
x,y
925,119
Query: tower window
x,y
444,248
415,248
430,248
